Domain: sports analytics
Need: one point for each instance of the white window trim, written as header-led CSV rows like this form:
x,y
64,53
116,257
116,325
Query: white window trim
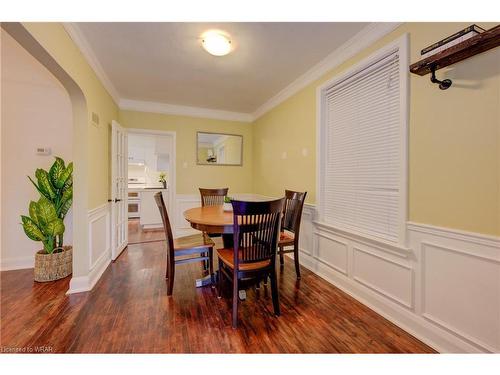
x,y
400,45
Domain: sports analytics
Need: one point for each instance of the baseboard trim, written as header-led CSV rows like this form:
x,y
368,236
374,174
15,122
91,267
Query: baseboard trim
x,y
86,283
18,263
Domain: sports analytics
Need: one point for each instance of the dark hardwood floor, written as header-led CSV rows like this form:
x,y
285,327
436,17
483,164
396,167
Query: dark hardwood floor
x,y
128,311
138,235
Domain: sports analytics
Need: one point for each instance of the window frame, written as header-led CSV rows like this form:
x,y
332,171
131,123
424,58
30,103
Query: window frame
x,y
401,46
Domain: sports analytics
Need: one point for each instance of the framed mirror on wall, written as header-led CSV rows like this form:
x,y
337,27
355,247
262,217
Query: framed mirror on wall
x,y
219,149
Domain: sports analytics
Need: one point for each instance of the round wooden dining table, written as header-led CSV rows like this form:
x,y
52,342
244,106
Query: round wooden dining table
x,y
210,219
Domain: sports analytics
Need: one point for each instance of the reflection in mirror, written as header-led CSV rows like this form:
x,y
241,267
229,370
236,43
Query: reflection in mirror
x,y
219,149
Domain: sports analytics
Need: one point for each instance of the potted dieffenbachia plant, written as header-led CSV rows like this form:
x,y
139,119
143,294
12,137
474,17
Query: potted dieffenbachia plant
x,y
45,222
162,177
227,205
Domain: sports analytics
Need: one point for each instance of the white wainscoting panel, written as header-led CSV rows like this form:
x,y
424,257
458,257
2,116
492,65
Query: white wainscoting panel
x,y
99,251
183,202
444,288
459,293
391,279
99,235
332,251
459,282
306,229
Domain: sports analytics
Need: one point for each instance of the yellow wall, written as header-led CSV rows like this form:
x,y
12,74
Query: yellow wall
x,y
193,176
454,154
57,42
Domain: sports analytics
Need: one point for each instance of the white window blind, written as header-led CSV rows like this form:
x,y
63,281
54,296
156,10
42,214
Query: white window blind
x,y
361,160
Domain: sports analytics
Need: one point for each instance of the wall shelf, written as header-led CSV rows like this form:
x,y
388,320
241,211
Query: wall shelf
x,y
480,43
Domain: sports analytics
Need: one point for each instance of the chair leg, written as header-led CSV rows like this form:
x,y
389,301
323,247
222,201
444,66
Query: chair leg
x,y
296,260
235,301
170,277
219,282
211,265
274,292
205,263
282,260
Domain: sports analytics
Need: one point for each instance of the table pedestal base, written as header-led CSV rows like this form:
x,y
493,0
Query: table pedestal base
x,y
204,281
207,280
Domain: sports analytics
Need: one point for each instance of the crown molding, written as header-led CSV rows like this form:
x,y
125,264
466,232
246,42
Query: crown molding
x,y
182,110
363,39
83,45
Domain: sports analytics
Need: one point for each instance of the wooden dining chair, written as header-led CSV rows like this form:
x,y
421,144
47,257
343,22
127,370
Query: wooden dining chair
x,y
255,237
290,227
198,244
213,197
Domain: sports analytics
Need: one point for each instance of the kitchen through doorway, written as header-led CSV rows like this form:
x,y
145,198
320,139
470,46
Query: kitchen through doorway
x,y
151,169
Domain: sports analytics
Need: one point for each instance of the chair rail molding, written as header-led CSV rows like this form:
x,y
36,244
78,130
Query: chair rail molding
x,y
444,288
99,249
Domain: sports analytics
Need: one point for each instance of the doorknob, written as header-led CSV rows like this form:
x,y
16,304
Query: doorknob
x,y
117,200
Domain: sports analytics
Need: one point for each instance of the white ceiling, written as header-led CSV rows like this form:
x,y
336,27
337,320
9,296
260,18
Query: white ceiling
x,y
165,63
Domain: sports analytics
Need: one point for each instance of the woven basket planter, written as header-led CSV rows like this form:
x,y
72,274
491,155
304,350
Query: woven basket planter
x,y
55,266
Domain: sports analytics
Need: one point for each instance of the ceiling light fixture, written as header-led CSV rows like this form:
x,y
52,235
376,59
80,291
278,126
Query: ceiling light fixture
x,y
216,42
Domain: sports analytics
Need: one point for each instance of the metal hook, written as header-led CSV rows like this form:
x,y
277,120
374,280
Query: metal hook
x,y
444,84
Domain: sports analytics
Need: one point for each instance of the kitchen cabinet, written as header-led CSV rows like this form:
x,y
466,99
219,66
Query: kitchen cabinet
x,y
149,213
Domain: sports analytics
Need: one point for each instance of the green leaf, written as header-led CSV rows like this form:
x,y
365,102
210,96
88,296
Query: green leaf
x,y
48,245
38,188
54,228
56,172
45,212
32,211
31,229
68,183
63,210
66,174
67,194
66,201
44,183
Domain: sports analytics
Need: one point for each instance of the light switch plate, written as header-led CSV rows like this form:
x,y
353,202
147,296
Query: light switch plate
x,y
43,151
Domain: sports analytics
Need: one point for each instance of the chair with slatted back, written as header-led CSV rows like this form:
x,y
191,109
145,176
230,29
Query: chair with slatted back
x,y
197,244
213,197
290,228
255,237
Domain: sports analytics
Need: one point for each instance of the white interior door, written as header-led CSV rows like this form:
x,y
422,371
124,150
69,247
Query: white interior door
x,y
119,194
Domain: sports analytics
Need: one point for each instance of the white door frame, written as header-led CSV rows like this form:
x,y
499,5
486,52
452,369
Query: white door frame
x,y
119,194
173,164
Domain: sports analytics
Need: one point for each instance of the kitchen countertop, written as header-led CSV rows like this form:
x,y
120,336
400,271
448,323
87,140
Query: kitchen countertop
x,y
147,188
